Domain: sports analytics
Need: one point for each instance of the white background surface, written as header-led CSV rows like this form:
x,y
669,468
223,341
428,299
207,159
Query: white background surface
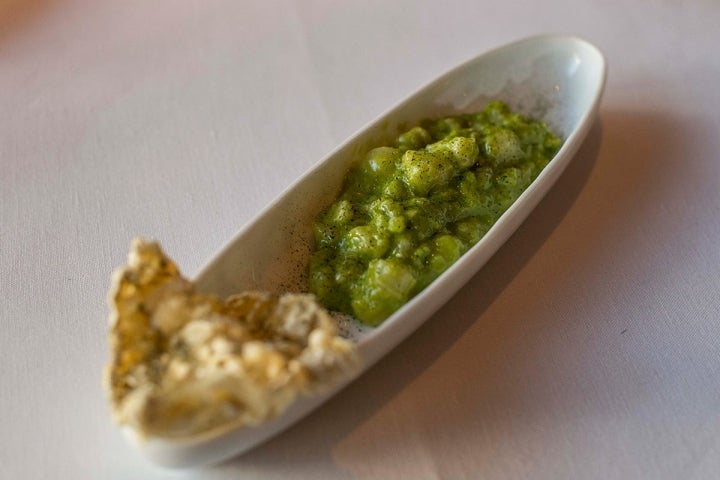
x,y
588,347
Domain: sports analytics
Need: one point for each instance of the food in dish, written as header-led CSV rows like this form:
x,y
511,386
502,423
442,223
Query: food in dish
x,y
408,211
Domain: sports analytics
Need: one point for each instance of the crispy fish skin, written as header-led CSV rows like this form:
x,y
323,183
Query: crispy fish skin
x,y
184,363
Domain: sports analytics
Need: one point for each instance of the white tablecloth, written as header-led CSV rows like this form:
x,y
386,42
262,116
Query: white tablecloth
x,y
588,347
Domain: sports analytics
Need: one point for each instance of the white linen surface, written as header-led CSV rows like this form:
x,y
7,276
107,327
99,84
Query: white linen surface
x,y
588,347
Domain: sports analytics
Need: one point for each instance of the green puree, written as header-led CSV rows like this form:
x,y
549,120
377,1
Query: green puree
x,y
408,211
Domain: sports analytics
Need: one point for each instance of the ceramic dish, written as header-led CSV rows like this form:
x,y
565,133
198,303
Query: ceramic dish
x,y
559,79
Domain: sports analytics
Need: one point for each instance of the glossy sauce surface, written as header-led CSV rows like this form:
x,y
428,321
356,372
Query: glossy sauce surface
x,y
408,211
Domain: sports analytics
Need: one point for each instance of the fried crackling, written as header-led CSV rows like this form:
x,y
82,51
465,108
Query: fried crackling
x,y
184,363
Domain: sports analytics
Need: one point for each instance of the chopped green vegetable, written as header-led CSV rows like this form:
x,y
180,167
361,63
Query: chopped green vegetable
x,y
407,212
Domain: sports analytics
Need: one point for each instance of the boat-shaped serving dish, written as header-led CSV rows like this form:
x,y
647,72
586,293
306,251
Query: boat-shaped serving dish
x,y
558,79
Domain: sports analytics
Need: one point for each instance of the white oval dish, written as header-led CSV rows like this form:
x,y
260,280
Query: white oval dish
x,y
559,79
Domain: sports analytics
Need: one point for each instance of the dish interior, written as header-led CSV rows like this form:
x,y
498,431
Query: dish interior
x,y
553,78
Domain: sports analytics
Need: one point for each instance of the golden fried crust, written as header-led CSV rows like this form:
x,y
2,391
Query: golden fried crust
x,y
183,363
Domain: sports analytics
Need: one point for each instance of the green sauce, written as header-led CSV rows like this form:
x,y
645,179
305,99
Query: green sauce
x,y
407,212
